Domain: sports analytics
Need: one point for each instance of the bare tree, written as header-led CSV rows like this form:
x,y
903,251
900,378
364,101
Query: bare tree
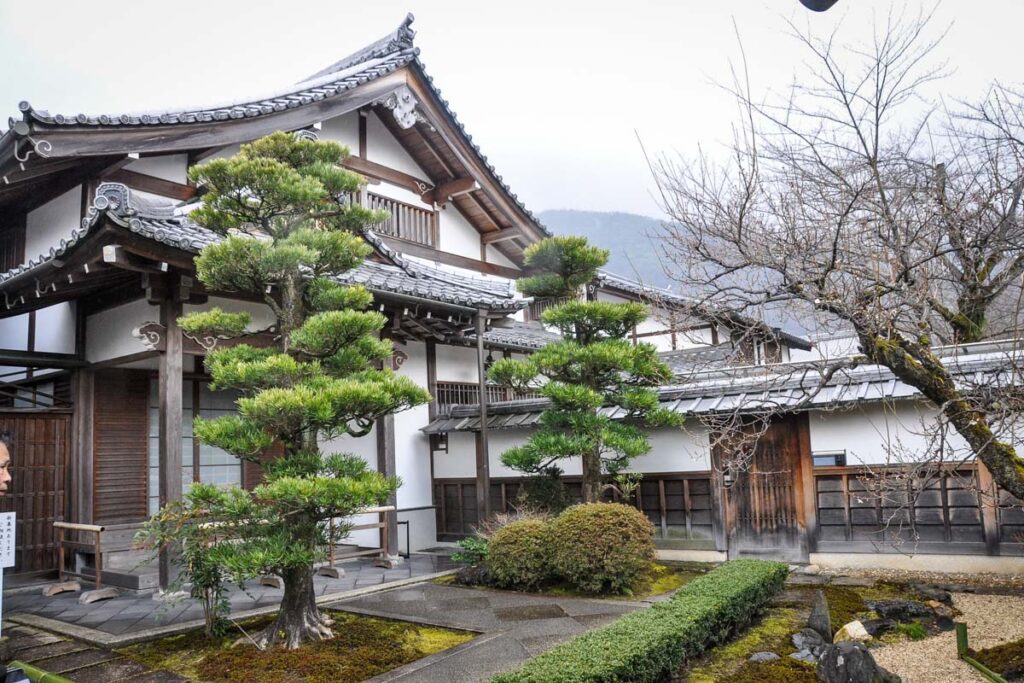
x,y
854,202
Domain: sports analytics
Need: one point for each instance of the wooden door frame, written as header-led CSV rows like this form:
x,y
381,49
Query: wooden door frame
x,y
803,491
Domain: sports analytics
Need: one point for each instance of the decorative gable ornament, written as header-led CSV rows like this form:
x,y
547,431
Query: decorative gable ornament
x,y
402,104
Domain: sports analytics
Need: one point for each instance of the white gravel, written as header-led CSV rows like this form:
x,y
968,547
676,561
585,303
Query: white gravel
x,y
991,620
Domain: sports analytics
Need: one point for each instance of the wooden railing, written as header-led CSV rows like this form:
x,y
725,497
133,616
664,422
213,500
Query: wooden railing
x,y
468,393
405,221
538,306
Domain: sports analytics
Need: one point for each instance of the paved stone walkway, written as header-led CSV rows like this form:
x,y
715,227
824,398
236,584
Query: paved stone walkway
x,y
514,626
132,612
77,661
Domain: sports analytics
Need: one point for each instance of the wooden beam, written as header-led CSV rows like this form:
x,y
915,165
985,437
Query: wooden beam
x,y
423,251
483,463
372,169
169,397
117,256
81,484
502,235
148,183
40,359
452,188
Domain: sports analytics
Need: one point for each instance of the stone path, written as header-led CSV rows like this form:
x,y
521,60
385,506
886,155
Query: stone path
x,y
76,661
514,626
133,612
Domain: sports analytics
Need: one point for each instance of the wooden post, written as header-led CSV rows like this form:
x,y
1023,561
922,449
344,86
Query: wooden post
x,y
805,490
81,483
483,465
386,466
988,499
169,396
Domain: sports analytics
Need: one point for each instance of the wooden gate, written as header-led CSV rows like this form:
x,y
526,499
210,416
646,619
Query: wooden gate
x,y
764,509
42,444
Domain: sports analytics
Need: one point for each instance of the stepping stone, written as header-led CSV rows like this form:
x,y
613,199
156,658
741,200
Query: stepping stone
x,y
855,581
75,660
529,612
115,670
159,677
63,647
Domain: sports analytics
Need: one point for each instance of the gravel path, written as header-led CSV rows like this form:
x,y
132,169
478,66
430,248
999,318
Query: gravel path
x,y
991,619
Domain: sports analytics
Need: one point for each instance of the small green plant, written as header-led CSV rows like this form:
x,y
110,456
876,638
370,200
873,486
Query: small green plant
x,y
187,522
474,551
914,630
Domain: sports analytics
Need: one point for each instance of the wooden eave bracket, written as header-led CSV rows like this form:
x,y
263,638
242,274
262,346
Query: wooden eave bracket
x,y
453,188
503,235
117,256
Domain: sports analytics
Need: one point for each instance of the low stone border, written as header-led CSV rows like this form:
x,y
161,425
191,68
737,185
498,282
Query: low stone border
x,y
103,639
420,664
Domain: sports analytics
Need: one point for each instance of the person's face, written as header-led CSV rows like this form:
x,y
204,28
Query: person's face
x,y
5,469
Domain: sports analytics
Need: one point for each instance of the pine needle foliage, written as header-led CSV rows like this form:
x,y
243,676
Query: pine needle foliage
x,y
592,368
283,206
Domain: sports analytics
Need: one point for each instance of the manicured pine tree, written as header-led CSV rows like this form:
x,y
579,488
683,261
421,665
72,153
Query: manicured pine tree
x,y
282,205
593,367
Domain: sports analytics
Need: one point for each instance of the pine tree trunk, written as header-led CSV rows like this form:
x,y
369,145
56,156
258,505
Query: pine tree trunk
x,y
299,620
591,477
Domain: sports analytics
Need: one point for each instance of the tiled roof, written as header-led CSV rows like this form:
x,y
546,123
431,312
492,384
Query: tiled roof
x,y
794,386
516,335
169,224
668,298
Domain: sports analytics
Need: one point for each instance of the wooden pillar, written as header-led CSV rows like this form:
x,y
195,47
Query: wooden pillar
x,y
81,485
483,464
805,489
169,397
386,466
988,499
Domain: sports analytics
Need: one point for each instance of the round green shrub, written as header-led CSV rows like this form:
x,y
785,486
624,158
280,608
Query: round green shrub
x,y
519,554
603,547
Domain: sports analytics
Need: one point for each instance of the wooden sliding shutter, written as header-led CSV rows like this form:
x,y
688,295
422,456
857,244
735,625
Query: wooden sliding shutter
x,y
120,446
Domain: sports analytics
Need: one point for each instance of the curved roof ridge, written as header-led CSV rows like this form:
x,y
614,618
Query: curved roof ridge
x,y
399,39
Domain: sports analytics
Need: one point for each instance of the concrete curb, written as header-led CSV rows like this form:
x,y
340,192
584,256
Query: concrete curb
x,y
103,639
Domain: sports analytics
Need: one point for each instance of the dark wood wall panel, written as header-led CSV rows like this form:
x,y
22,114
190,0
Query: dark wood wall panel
x,y
38,487
120,446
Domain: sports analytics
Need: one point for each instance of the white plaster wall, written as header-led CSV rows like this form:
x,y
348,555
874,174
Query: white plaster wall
x,y
173,167
55,328
676,450
495,256
460,460
343,129
14,332
224,153
108,334
828,349
412,454
402,194
879,433
457,235
383,148
456,364
51,222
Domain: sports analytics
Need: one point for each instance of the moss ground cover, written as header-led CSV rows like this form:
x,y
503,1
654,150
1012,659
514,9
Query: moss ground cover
x,y
363,647
1006,659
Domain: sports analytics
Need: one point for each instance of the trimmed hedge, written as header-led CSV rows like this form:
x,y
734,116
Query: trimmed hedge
x,y
651,644
519,554
603,547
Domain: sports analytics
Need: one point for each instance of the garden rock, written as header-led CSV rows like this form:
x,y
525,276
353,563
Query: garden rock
x,y
811,570
477,575
900,610
851,662
932,593
808,639
804,656
852,631
819,619
763,657
877,627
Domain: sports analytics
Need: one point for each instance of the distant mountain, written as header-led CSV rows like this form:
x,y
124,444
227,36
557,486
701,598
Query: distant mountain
x,y
632,239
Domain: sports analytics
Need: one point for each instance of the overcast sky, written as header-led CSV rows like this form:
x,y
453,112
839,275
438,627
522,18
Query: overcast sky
x,y
554,92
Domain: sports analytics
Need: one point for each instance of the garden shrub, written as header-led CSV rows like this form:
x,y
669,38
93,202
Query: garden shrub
x,y
651,644
519,554
603,547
